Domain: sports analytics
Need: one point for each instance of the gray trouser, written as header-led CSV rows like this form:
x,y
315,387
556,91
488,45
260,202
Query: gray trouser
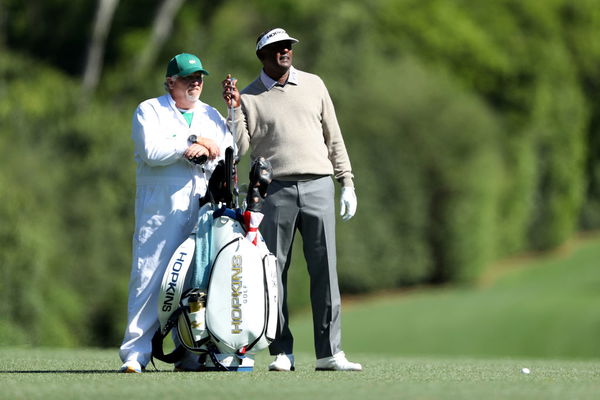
x,y
309,207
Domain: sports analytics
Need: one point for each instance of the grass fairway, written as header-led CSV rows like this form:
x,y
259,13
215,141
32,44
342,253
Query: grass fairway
x,y
541,307
89,374
453,343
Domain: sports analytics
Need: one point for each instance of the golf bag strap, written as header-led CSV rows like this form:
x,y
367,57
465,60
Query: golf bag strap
x,y
212,351
251,345
159,337
158,353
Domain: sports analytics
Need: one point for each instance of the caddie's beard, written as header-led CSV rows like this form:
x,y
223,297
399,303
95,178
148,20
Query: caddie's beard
x,y
192,96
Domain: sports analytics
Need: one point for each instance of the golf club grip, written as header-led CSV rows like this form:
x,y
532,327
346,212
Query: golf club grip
x,y
200,160
229,175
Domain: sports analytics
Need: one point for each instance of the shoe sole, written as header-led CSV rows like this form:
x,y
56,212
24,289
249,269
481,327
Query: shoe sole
x,y
130,370
282,370
340,370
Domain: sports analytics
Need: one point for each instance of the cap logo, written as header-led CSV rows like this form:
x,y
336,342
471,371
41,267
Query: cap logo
x,y
184,64
274,35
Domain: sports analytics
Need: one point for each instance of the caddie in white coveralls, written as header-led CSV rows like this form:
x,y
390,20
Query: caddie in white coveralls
x,y
168,188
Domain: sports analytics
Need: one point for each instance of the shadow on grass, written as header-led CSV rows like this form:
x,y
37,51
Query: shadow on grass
x,y
74,371
62,371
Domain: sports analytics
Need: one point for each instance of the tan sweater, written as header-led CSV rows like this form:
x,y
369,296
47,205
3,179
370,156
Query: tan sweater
x,y
295,128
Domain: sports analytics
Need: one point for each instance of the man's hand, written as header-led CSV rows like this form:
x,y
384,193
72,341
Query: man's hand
x,y
348,203
230,92
196,150
213,149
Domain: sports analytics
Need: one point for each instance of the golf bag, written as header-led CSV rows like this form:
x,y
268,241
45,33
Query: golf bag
x,y
219,292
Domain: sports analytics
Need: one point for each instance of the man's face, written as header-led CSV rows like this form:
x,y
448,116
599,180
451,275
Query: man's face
x,y
277,56
187,87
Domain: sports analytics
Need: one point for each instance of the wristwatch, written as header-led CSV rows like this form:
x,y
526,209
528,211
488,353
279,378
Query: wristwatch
x,y
193,139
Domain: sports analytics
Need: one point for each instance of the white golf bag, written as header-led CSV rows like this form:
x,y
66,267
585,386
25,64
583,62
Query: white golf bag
x,y
219,292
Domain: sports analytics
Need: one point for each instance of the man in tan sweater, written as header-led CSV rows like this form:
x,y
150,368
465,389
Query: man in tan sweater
x,y
287,116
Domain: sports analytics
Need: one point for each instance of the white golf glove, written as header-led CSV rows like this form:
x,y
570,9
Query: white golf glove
x,y
348,203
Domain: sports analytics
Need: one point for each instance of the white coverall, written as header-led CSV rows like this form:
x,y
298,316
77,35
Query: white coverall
x,y
168,188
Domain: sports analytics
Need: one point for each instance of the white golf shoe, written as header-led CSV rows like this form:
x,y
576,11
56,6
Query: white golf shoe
x,y
131,367
283,362
337,362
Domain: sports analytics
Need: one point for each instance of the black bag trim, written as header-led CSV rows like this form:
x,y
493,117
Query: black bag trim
x,y
159,337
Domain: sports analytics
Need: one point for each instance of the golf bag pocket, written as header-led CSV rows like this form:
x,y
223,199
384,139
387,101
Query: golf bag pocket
x,y
239,303
191,326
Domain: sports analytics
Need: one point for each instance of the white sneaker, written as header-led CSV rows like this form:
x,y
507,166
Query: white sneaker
x,y
131,367
337,362
283,362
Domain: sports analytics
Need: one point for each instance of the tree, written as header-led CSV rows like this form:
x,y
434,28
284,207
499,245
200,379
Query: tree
x,y
102,23
161,28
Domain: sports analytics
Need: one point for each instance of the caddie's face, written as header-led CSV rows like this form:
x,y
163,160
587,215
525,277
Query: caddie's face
x,y
186,88
278,55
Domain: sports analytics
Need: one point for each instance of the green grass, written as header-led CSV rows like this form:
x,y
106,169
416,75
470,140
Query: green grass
x,y
89,374
542,307
451,343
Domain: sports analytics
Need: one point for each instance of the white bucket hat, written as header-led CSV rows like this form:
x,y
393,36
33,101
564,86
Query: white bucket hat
x,y
272,36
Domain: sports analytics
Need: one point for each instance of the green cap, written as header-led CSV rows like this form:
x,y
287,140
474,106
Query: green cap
x,y
185,64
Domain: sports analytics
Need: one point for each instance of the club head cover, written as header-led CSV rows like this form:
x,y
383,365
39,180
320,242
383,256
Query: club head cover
x,y
254,200
261,175
215,192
